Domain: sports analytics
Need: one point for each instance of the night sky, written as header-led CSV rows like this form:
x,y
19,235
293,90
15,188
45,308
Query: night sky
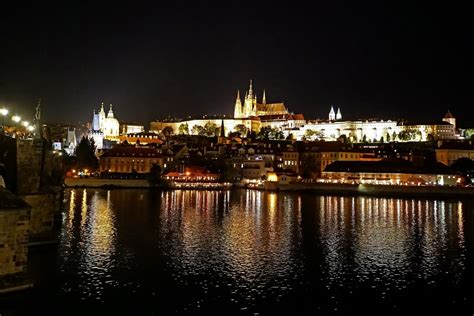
x,y
373,60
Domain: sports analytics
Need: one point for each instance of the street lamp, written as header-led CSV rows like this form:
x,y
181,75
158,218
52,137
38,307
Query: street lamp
x,y
30,128
3,112
16,118
25,123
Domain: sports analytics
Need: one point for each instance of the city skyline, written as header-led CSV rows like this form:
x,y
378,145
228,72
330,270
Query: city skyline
x,y
370,60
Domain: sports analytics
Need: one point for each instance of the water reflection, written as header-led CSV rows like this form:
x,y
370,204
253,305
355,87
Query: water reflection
x,y
255,250
390,241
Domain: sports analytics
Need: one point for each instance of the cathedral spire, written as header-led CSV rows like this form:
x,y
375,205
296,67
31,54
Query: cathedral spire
x,y
222,128
339,114
264,100
250,90
238,106
332,114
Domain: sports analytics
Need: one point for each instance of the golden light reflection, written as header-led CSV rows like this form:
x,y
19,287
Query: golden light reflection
x,y
100,232
385,232
83,207
245,238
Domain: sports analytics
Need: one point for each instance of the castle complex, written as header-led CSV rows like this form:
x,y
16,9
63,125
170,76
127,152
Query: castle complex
x,y
254,116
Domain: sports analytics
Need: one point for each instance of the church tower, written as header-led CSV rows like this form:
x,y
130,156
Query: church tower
x,y
111,112
101,117
95,122
339,114
332,114
249,102
221,139
449,118
238,106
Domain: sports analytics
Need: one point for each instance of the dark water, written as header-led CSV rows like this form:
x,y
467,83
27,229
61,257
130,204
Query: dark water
x,y
256,252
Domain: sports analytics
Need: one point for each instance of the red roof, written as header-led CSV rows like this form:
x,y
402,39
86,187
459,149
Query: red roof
x,y
448,115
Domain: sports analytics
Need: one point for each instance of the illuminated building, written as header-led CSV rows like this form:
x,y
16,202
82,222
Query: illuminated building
x,y
140,138
317,155
390,172
132,129
254,115
251,115
129,160
448,152
104,127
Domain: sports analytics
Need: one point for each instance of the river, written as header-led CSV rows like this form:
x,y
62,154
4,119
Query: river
x,y
255,252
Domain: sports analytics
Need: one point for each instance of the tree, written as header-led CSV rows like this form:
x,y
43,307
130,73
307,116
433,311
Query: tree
x,y
154,177
314,135
394,136
168,131
211,129
342,139
469,133
264,133
381,139
85,154
364,139
309,166
276,134
183,129
388,138
198,130
290,136
242,129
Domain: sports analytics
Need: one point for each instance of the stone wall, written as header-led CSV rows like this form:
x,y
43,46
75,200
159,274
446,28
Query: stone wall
x,y
43,209
14,234
29,165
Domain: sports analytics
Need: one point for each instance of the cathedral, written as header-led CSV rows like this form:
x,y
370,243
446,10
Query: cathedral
x,y
104,127
252,108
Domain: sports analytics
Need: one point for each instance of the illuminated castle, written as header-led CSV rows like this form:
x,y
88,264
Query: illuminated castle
x,y
252,108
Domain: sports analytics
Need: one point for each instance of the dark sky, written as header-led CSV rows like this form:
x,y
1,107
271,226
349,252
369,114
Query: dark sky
x,y
373,59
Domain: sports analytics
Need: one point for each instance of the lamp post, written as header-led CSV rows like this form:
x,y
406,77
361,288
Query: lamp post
x,y
3,114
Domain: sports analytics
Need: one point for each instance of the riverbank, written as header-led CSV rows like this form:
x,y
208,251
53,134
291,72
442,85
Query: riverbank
x,y
371,189
318,188
106,183
142,184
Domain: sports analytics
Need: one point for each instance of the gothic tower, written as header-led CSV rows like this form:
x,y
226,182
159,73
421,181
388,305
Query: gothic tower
x,y
339,114
332,114
249,102
238,106
101,117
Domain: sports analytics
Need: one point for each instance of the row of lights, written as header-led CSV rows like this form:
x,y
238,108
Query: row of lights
x,y
17,119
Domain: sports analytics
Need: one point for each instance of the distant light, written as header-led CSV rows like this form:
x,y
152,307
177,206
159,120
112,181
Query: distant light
x,y
16,118
31,128
3,112
25,123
